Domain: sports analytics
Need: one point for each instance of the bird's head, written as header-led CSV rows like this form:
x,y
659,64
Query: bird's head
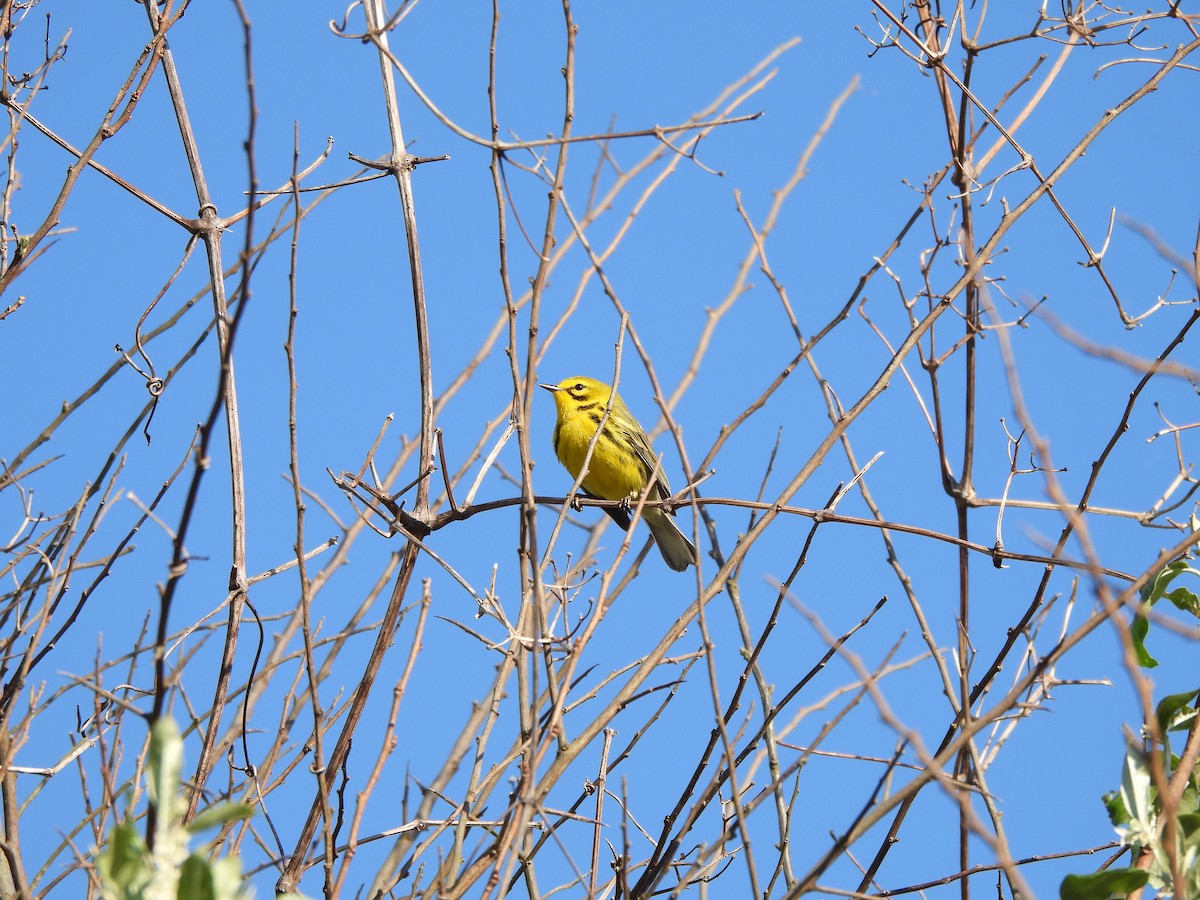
x,y
578,390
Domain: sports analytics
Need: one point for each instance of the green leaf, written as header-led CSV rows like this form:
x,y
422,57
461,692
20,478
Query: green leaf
x,y
1102,885
1137,790
124,865
196,880
220,814
1190,801
1117,813
1176,712
1156,587
227,878
1138,631
1184,600
1189,823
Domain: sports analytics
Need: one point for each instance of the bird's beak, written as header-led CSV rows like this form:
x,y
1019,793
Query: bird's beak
x,y
553,388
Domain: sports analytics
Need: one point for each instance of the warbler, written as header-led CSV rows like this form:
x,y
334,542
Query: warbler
x,y
621,462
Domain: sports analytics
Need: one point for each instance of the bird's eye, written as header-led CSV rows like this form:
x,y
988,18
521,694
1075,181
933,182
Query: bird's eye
x,y
579,387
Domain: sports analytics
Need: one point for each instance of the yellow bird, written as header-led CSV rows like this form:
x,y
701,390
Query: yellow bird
x,y
621,463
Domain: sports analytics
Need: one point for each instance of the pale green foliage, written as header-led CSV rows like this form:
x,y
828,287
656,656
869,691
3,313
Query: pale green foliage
x,y
1157,589
1140,830
130,871
1136,813
1136,809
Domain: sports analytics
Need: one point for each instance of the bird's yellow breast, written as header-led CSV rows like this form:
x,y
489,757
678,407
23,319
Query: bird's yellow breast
x,y
615,472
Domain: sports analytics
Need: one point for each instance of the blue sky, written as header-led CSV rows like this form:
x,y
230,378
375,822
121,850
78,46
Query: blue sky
x,y
639,65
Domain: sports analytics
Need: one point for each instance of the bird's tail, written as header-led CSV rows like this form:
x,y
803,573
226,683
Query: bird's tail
x,y
676,549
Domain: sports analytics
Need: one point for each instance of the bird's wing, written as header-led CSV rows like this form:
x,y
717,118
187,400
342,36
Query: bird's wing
x,y
645,455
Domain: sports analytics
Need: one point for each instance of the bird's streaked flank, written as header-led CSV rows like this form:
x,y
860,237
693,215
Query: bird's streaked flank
x,y
621,462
